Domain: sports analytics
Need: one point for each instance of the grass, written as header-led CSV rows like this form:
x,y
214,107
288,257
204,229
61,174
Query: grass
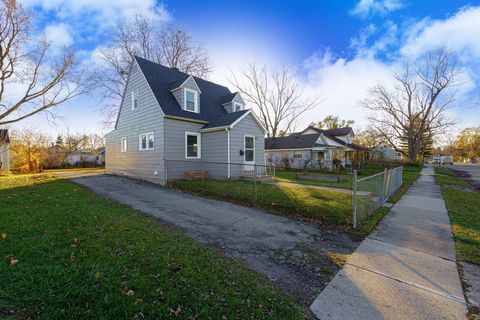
x,y
291,176
444,170
464,209
315,205
68,254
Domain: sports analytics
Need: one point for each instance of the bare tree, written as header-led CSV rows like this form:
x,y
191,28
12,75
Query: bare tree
x,y
417,105
45,81
150,39
276,95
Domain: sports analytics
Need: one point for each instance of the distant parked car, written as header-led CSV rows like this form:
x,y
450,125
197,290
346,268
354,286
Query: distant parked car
x,y
446,160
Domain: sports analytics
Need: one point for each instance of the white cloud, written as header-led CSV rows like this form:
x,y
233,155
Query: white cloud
x,y
365,8
58,35
460,32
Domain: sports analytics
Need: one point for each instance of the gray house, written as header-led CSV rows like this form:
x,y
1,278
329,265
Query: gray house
x,y
4,150
315,148
171,124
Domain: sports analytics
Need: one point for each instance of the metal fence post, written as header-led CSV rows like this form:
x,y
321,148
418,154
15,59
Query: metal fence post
x,y
384,185
354,198
255,182
202,169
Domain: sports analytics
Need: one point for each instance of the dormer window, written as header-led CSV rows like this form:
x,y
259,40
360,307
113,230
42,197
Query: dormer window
x,y
191,100
237,107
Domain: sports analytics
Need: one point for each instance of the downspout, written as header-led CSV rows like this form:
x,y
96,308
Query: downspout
x,y
228,152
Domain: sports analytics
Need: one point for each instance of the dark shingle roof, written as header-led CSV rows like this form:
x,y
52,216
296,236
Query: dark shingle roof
x,y
163,79
228,98
332,132
4,138
225,120
292,141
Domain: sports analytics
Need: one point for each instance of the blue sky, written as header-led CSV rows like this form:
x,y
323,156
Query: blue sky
x,y
338,49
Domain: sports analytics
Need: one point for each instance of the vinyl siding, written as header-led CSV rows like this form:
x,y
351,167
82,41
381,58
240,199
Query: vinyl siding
x,y
247,126
215,149
179,94
148,117
229,106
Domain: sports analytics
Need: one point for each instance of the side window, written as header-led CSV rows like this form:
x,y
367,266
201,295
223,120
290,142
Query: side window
x,y
192,145
146,141
249,146
237,107
123,144
297,154
135,94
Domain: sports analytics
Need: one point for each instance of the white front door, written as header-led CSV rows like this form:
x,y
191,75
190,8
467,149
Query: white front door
x,y
248,154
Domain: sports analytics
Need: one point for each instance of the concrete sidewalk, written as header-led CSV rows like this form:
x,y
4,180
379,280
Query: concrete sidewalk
x,y
405,269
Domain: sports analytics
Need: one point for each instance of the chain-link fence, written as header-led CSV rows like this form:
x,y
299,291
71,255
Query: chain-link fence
x,y
370,193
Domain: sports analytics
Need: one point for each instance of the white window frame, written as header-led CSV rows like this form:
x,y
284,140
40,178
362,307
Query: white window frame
x,y
235,104
147,134
199,144
245,149
297,151
195,100
122,144
135,98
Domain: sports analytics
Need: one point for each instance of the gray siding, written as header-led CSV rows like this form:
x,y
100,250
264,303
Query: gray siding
x,y
148,117
215,149
177,164
229,106
247,126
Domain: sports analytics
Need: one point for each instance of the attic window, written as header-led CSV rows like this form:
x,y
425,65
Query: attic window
x,y
191,100
135,99
237,107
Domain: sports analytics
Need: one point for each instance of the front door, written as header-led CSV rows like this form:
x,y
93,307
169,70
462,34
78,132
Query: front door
x,y
248,154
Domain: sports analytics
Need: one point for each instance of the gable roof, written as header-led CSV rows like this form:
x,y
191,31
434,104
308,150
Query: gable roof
x,y
297,141
4,138
162,79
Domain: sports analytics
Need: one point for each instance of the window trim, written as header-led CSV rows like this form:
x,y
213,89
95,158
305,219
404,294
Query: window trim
x,y
301,154
245,149
195,100
199,144
235,104
135,97
126,144
146,134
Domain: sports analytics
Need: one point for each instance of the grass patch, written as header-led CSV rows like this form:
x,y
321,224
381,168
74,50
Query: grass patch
x,y
464,209
68,254
291,176
316,205
444,170
450,181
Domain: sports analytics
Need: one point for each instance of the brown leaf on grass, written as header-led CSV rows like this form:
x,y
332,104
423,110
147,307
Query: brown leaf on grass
x,y
72,256
4,236
13,262
130,293
176,312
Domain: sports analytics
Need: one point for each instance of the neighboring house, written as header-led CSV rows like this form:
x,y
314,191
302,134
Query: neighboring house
x,y
101,156
385,153
4,150
314,148
171,124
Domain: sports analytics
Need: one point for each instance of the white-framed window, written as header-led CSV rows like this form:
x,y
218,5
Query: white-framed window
x,y
123,144
193,143
135,95
191,100
297,154
146,141
249,149
237,107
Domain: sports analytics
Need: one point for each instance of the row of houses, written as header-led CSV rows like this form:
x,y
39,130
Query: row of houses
x,y
171,123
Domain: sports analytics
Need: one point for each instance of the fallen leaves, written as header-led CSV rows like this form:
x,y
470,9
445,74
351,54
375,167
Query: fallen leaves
x,y
13,262
4,236
130,293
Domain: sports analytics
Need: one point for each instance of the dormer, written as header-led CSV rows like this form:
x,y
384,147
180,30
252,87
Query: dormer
x,y
187,93
233,102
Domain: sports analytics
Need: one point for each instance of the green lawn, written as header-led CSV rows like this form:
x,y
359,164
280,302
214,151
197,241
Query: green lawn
x,y
464,209
316,205
291,176
68,254
444,170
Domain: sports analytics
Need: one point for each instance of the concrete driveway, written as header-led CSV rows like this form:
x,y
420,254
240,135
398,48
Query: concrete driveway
x,y
292,254
471,171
